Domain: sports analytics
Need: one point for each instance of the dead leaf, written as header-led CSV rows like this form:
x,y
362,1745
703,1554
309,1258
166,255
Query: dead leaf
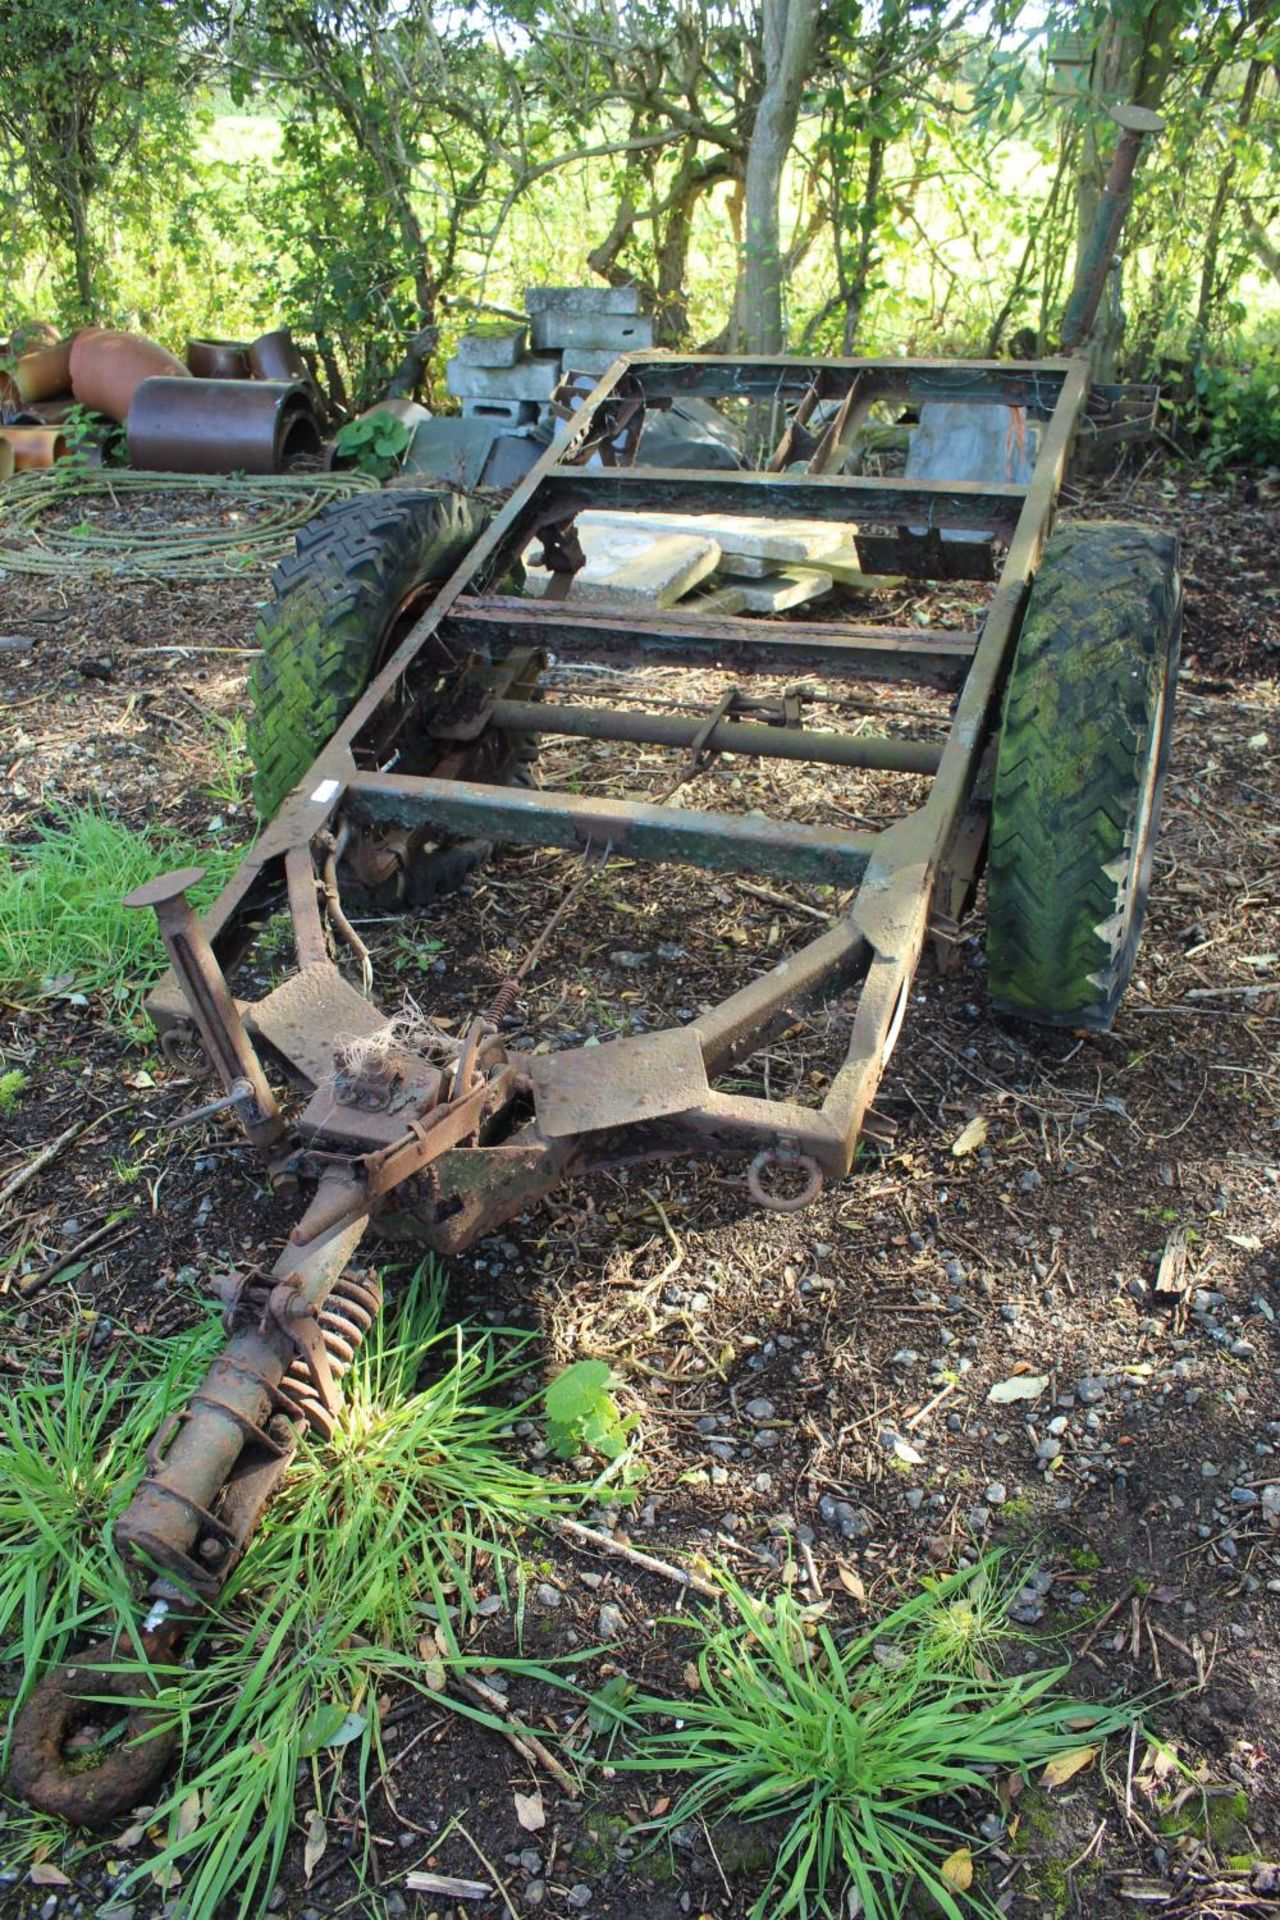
x,y
957,1869
852,1583
660,1806
1022,1386
691,1677
45,1876
970,1138
444,1883
188,1816
1064,1766
316,1842
132,1835
530,1811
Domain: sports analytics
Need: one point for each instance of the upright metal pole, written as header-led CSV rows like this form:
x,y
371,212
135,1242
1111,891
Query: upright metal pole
x,y
1094,263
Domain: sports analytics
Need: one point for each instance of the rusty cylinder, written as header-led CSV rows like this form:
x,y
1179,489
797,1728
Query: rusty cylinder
x,y
108,366
34,447
222,426
218,359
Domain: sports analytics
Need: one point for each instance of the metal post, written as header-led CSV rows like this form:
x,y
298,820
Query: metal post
x,y
1095,262
209,998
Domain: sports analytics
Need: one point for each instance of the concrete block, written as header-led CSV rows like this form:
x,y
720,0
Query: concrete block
x,y
507,413
534,378
626,568
622,332
790,588
596,360
496,343
584,300
742,536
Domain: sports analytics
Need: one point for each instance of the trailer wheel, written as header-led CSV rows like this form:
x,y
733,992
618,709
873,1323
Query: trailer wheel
x,y
359,577
1084,744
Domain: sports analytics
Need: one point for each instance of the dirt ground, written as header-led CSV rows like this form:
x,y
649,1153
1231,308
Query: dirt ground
x,y
811,1385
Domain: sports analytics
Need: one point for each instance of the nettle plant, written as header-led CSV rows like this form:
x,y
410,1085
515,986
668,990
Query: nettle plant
x,y
582,1414
375,444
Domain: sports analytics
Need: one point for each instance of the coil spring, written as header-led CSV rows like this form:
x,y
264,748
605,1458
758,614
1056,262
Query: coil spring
x,y
345,1319
502,1003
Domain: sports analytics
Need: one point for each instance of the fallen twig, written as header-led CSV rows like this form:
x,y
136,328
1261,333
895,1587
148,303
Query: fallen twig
x,y
110,1230
47,1155
448,1886
526,1744
605,1543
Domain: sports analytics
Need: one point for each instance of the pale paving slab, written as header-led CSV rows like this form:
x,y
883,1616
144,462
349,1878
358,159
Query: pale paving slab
x,y
740,536
631,567
789,588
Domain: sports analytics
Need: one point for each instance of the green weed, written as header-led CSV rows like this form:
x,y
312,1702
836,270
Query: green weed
x,y
227,749
864,1749
582,1414
12,1082
61,917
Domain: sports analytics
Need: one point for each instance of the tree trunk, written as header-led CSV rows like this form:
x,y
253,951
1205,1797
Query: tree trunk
x,y
788,43
1217,213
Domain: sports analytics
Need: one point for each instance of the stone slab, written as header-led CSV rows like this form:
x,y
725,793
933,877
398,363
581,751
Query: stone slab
x,y
455,451
629,568
533,378
584,300
498,343
719,600
623,332
739,536
790,588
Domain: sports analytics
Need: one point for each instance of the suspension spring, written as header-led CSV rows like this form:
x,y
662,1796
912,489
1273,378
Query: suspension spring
x,y
345,1319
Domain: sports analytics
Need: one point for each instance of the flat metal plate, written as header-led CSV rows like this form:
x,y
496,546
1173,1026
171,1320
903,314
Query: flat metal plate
x,y
616,1084
306,1016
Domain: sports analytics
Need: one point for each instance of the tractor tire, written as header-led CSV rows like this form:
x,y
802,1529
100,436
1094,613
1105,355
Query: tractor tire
x,y
338,607
1084,745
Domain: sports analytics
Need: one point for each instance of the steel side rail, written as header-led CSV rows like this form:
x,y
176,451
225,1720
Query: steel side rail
x,y
726,843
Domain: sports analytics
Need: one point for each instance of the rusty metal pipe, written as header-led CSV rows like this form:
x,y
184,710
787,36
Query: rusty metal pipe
x,y
1094,265
727,736
204,986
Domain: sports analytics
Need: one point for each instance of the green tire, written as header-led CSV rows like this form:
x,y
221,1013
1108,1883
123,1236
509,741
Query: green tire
x,y
1084,745
338,608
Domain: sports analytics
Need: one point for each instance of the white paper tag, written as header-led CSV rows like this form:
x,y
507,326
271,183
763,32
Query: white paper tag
x,y
325,792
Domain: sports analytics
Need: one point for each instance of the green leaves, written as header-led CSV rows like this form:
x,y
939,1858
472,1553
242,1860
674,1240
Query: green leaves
x,y
376,443
582,1414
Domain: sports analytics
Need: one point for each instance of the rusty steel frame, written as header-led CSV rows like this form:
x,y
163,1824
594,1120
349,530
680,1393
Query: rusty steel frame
x,y
895,871
458,1149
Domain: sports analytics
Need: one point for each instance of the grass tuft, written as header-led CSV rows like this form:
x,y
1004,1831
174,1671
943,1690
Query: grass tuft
x,y
871,1754
71,1452
61,917
364,1575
